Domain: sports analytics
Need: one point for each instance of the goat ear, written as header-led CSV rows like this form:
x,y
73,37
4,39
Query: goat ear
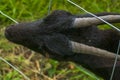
x,y
58,44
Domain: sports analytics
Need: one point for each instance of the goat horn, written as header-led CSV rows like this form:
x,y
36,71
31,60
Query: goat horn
x,y
88,21
85,49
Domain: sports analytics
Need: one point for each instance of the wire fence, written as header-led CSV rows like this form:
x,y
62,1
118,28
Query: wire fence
x,y
116,58
6,60
49,8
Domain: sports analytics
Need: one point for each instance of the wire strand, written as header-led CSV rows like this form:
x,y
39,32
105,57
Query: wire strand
x,y
49,7
94,15
14,68
116,58
8,17
115,62
6,60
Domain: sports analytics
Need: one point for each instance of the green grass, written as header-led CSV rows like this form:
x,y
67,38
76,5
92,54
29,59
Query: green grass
x,y
33,65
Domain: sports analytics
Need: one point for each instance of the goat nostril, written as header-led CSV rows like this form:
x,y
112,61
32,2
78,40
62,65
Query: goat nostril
x,y
10,28
8,32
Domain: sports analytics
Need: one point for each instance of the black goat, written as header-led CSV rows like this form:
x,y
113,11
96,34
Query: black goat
x,y
67,37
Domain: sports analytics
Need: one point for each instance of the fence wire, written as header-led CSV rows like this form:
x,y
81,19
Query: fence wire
x,y
115,62
49,8
117,53
8,17
6,60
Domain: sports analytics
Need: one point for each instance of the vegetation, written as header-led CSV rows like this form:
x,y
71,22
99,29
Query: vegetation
x,y
32,64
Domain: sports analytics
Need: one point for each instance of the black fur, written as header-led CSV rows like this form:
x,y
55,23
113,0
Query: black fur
x,y
52,35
